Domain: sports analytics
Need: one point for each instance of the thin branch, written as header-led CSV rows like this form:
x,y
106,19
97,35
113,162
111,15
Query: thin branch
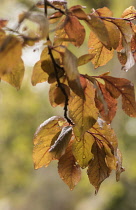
x,y
60,86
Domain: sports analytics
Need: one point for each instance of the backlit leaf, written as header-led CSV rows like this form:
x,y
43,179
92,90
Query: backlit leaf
x,y
102,54
130,12
85,59
56,95
77,11
15,76
98,171
108,106
110,158
82,148
68,169
70,66
83,112
10,47
60,145
45,135
75,30
123,87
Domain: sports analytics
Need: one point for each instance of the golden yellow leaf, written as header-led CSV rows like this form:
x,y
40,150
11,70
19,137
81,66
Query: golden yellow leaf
x,y
44,137
15,76
82,148
68,169
10,54
102,54
83,112
85,59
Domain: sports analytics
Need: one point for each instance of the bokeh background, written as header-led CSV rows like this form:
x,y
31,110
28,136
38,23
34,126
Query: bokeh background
x,y
21,112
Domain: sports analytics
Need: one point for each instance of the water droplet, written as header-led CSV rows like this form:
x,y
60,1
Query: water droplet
x,y
128,109
83,156
122,89
77,161
127,102
62,178
78,140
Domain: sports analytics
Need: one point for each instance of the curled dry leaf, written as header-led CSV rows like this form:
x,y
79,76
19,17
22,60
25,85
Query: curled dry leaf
x,y
46,134
130,12
68,169
59,146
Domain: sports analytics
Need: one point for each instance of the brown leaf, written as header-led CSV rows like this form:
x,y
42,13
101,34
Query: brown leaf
x,y
55,17
123,87
102,54
83,112
75,30
15,76
77,11
98,28
59,146
110,157
46,135
98,170
82,148
70,67
85,59
3,23
108,106
68,169
10,47
104,12
56,95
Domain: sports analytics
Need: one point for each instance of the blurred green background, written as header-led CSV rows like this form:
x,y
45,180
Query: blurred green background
x,y
21,112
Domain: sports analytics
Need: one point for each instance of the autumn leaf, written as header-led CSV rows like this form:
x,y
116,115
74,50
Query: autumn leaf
x,y
110,158
56,96
46,134
68,169
10,47
102,54
15,76
105,103
75,30
83,112
98,28
70,67
123,87
104,12
60,145
77,11
82,148
85,59
98,171
130,12
3,23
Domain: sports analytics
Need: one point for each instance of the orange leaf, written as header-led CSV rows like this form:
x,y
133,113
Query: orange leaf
x,y
68,169
98,171
75,30
107,106
123,87
102,54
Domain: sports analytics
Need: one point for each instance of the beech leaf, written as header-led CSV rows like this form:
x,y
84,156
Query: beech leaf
x,y
59,146
83,112
123,87
98,171
119,168
70,67
85,59
82,148
68,169
102,54
45,135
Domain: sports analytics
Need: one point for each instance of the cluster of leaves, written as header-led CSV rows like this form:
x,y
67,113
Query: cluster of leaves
x,y
84,137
